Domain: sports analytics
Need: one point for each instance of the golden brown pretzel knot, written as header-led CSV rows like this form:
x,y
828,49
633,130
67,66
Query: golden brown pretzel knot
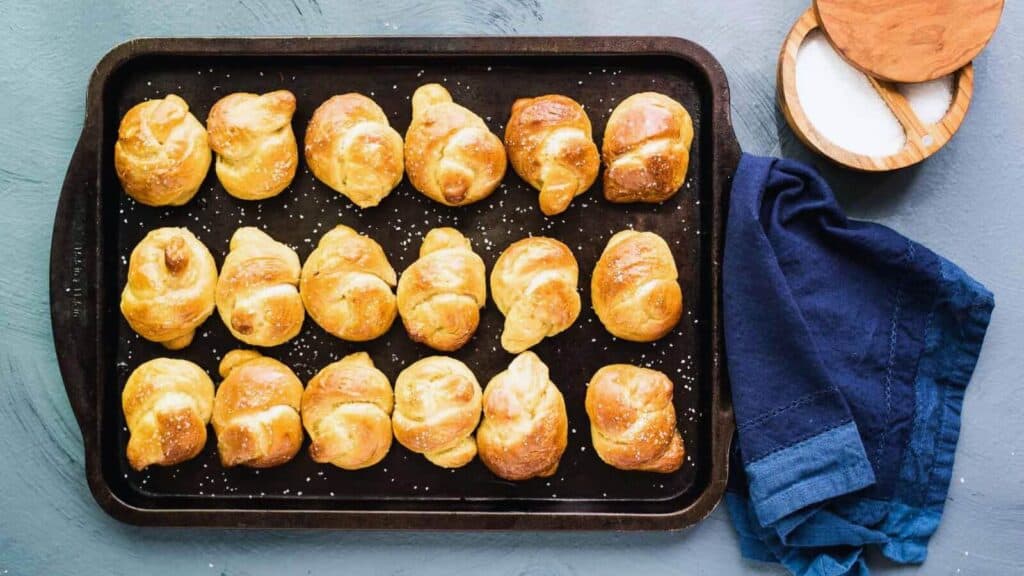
x,y
170,287
257,294
347,411
632,419
441,294
166,405
252,135
437,408
551,146
635,289
346,286
450,154
646,149
256,411
525,428
533,283
351,147
162,154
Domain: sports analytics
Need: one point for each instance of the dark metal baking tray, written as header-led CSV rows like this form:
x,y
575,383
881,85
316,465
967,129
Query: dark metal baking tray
x,y
97,225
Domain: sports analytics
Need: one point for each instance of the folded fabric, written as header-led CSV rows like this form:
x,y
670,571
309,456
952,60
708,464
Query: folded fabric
x,y
849,348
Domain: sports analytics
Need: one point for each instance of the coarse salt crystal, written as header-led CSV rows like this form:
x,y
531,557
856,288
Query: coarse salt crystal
x,y
929,100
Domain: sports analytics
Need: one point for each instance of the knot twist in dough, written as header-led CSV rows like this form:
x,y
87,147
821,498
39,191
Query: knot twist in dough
x,y
634,288
257,294
170,287
437,408
256,411
525,427
347,411
450,154
166,404
346,286
533,283
162,154
632,419
441,294
252,135
551,146
351,147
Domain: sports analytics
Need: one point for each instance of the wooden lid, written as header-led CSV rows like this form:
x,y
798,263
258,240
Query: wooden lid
x,y
909,40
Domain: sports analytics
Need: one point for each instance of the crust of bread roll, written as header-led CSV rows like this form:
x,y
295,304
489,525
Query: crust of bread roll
x,y
551,145
162,153
167,404
346,286
347,411
440,294
632,419
450,154
635,289
646,149
351,147
256,411
169,292
256,150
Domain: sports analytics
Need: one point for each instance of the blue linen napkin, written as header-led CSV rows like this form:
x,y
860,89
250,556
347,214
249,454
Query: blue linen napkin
x,y
849,348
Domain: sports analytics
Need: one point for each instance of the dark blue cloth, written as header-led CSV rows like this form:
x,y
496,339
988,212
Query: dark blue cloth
x,y
849,348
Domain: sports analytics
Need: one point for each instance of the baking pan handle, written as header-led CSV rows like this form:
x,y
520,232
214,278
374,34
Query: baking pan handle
x,y
74,265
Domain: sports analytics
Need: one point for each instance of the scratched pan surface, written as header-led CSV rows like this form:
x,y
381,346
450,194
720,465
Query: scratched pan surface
x,y
98,350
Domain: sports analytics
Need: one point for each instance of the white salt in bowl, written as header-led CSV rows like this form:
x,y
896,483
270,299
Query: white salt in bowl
x,y
859,121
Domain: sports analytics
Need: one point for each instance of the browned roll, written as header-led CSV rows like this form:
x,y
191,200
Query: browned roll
x,y
166,404
646,149
441,294
437,408
351,147
162,153
450,154
525,428
635,289
257,293
632,419
347,411
252,135
172,279
346,286
551,146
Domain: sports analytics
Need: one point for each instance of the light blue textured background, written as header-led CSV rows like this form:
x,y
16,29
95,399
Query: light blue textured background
x,y
966,203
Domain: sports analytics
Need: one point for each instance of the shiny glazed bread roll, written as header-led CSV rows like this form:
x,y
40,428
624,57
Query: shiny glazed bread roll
x,y
634,288
162,154
346,286
533,283
441,294
437,408
351,147
525,428
170,288
347,411
256,411
646,149
166,404
450,154
551,146
257,294
632,419
252,135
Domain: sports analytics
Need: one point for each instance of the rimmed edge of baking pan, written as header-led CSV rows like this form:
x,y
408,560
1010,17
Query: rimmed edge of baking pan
x,y
76,252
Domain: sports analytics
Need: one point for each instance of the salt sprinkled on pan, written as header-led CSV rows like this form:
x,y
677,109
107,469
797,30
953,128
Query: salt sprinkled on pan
x,y
841,103
929,100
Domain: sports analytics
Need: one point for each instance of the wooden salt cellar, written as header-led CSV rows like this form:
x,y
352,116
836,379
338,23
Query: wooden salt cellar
x,y
867,33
